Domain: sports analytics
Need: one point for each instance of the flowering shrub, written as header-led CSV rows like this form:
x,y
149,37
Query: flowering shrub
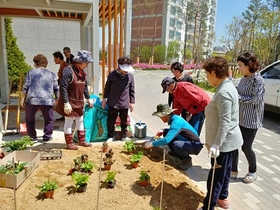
x,y
145,66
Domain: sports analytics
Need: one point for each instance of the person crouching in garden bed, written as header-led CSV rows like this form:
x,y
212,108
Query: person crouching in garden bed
x,y
181,137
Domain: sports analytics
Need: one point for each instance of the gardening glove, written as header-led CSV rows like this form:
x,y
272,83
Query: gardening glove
x,y
67,108
214,151
158,135
148,145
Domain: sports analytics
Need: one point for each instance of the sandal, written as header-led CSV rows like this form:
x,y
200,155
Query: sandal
x,y
224,204
250,177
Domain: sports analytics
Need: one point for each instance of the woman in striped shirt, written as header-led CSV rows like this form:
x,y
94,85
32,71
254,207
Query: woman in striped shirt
x,y
251,108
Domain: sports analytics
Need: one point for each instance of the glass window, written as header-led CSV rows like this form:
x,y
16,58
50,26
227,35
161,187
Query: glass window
x,y
174,1
178,35
171,34
172,10
172,22
273,72
179,25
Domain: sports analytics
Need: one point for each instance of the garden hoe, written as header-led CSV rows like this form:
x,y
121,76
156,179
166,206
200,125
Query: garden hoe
x,y
7,132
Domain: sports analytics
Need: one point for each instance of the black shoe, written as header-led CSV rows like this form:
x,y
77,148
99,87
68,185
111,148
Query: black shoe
x,y
185,164
61,119
172,156
47,140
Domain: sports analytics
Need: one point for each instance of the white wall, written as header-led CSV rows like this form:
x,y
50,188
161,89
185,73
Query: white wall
x,y
43,36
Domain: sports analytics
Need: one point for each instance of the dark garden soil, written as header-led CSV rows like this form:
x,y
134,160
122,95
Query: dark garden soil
x,y
179,192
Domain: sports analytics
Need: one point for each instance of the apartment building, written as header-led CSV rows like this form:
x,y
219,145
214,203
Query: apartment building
x,y
190,22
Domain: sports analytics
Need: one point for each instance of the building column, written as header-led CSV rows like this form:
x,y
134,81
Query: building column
x,y
4,81
95,46
127,35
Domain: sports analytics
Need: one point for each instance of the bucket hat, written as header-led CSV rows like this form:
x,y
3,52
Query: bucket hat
x,y
163,110
83,56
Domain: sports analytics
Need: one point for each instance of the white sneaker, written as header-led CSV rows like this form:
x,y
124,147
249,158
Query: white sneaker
x,y
126,139
109,140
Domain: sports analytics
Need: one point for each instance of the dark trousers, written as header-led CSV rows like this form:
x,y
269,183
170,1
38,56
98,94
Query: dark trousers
x,y
30,112
221,180
183,148
111,120
197,121
248,139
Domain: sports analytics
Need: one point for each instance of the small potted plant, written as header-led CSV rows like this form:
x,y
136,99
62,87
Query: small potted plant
x,y
108,160
110,179
87,167
144,178
82,164
105,147
48,188
136,158
129,146
80,180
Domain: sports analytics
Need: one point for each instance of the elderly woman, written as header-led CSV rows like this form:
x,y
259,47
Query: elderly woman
x,y
222,133
73,90
38,89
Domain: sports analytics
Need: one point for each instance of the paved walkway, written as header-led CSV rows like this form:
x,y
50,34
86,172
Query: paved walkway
x,y
264,193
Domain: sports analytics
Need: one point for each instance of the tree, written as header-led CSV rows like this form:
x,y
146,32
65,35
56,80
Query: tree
x,y
15,57
159,54
173,50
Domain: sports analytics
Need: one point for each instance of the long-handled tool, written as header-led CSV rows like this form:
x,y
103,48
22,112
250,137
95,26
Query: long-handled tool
x,y
162,179
6,132
99,178
212,180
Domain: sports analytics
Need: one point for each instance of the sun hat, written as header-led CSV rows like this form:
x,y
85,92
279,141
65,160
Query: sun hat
x,y
83,56
165,83
163,110
126,68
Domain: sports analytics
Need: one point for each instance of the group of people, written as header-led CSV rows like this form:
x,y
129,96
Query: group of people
x,y
68,90
232,118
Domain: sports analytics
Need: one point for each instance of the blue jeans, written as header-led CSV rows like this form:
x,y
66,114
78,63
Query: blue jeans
x,y
197,121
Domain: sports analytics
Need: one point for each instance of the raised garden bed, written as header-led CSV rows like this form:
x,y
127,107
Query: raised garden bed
x,y
179,192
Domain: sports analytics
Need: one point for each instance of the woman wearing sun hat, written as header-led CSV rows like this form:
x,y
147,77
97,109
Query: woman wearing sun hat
x,y
73,90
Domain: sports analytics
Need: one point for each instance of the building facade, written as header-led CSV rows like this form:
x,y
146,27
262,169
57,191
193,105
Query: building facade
x,y
190,22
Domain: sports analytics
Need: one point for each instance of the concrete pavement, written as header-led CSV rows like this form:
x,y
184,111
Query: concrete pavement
x,y
264,193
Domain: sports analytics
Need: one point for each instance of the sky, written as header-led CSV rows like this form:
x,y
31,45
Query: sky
x,y
226,10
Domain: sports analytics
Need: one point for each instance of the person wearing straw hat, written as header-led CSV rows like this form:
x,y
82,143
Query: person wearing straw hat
x,y
222,133
73,90
181,137
119,95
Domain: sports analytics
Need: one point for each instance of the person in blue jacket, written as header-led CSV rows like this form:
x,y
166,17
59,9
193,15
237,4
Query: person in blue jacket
x,y
181,137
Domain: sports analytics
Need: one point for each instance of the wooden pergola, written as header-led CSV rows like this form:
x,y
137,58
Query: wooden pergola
x,y
90,13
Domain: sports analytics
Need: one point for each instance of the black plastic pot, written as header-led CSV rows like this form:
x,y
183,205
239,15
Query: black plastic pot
x,y
82,188
112,184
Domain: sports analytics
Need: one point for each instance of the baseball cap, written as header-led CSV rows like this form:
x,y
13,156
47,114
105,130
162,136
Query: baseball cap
x,y
165,83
